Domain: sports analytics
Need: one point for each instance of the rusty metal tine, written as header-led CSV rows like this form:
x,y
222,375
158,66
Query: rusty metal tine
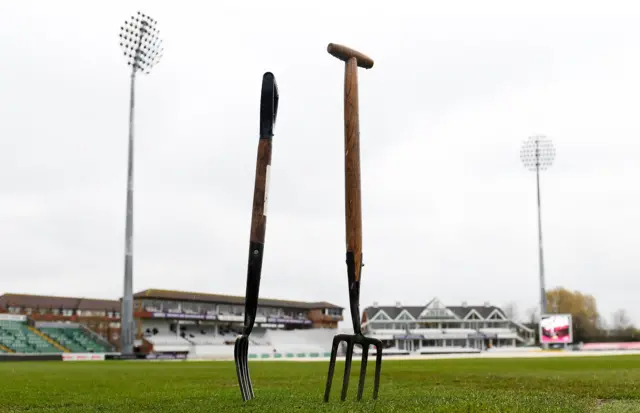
x,y
363,369
347,369
376,380
332,367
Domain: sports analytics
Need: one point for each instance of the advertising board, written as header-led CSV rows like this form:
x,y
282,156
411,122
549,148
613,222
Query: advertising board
x,y
183,316
556,329
82,357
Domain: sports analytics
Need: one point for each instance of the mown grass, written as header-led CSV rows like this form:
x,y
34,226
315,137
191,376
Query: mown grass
x,y
572,385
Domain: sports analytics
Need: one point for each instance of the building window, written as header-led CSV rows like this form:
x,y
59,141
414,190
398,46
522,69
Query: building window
x,y
152,305
207,308
191,308
335,312
172,306
290,314
273,311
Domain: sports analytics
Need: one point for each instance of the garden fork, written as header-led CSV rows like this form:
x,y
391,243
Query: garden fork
x,y
353,217
268,112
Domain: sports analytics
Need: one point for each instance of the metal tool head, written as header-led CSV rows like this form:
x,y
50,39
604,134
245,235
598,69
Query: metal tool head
x,y
351,340
241,357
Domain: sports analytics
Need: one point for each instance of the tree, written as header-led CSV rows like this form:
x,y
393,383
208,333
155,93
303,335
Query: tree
x,y
582,307
621,321
511,311
532,316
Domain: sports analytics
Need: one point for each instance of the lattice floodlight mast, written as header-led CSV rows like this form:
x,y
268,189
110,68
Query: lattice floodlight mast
x,y
142,47
537,154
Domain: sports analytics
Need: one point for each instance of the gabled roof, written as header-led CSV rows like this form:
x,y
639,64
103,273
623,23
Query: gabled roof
x,y
436,306
229,299
497,311
393,311
403,315
484,311
460,311
46,301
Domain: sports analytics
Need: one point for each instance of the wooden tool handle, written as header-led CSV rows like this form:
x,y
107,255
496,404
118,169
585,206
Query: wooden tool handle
x,y
353,199
345,53
269,99
261,192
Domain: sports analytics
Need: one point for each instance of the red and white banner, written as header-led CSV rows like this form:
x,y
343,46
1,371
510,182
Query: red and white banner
x,y
611,346
82,357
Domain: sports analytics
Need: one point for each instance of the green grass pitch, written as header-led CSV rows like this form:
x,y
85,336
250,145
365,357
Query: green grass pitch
x,y
536,385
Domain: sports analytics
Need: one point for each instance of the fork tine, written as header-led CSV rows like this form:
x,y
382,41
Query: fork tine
x,y
239,369
363,369
242,367
332,367
351,341
246,364
376,380
347,369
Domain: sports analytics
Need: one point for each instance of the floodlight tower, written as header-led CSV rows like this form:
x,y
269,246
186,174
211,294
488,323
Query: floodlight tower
x,y
537,154
142,47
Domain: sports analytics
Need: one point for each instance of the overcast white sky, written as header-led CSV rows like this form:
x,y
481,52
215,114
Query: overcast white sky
x,y
449,210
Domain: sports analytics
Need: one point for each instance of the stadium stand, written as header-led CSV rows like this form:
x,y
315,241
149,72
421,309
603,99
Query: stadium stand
x,y
21,338
167,343
301,341
75,338
216,341
435,327
206,325
99,316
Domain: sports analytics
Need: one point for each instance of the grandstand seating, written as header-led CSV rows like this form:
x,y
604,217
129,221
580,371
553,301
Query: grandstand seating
x,y
75,339
17,336
209,342
206,340
169,343
58,335
316,340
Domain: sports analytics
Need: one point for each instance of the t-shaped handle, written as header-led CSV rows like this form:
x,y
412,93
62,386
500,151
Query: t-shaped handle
x,y
345,53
